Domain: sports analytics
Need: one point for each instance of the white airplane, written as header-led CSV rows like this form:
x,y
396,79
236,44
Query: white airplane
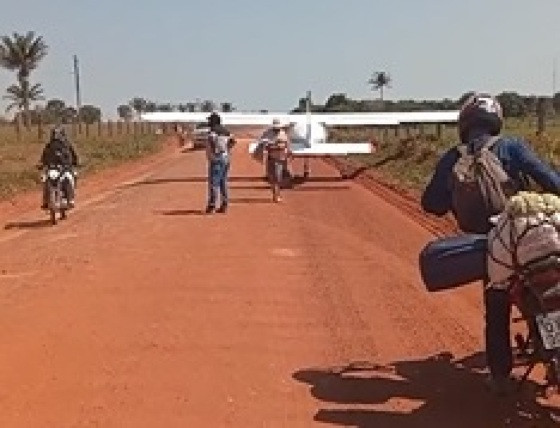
x,y
308,131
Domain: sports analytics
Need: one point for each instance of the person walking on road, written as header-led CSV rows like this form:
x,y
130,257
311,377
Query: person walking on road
x,y
218,151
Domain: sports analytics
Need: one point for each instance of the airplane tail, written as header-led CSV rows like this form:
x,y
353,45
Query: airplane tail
x,y
308,117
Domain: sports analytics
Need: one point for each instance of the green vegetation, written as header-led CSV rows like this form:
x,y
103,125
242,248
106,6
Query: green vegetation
x,y
410,160
140,105
20,149
19,157
22,53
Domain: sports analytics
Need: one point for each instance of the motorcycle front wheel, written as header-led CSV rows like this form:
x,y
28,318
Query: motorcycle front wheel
x,y
53,194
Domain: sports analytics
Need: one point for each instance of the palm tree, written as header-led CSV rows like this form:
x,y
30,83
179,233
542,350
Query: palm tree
x,y
22,53
21,95
379,80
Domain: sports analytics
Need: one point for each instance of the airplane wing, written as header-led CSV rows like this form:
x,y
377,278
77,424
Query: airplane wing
x,y
327,119
299,149
385,118
306,122
233,118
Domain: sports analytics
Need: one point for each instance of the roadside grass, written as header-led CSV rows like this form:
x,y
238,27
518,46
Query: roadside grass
x,y
18,158
410,160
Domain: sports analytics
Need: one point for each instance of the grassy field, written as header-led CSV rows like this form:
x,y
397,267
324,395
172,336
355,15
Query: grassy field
x,y
411,159
19,157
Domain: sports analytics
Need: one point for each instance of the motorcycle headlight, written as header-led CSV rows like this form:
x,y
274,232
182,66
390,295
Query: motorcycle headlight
x,y
53,174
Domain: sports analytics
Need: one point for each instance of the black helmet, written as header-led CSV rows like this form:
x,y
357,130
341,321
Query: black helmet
x,y
480,111
58,133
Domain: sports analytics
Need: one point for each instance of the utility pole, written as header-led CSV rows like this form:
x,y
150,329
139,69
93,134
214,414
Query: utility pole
x,y
554,77
78,95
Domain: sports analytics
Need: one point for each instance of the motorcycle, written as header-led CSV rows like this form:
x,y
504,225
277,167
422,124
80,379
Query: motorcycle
x,y
58,178
535,291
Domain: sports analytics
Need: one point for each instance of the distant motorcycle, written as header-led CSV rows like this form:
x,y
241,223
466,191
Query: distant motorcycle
x,y
58,178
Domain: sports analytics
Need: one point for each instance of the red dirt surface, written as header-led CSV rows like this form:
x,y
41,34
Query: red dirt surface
x,y
140,311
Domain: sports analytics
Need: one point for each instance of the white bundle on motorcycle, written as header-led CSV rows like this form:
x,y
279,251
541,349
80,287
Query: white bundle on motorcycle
x,y
527,231
258,153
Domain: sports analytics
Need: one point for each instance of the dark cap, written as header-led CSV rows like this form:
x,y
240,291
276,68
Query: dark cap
x,y
214,119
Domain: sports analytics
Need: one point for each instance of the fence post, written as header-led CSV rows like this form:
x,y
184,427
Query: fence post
x,y
541,115
18,129
110,128
99,128
87,130
39,129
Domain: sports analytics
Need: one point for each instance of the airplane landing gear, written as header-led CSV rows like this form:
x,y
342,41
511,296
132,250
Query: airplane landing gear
x,y
306,169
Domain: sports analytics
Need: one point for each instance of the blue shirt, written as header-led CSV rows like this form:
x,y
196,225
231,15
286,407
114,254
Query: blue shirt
x,y
517,159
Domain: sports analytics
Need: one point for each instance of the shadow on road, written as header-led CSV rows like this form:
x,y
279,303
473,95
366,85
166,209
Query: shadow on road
x,y
319,188
434,392
259,200
233,179
199,212
32,224
181,212
168,180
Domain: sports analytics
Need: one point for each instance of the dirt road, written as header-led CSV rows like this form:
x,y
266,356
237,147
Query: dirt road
x,y
139,311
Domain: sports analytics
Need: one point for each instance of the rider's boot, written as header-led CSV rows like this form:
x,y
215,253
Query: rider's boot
x,y
45,202
501,386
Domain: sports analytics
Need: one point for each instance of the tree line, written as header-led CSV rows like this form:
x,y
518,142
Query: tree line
x,y
140,105
22,54
513,103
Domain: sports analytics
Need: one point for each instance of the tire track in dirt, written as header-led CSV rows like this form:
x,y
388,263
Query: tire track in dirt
x,y
395,195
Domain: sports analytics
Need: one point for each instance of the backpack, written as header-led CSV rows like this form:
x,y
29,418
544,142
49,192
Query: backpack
x,y
60,153
480,187
219,143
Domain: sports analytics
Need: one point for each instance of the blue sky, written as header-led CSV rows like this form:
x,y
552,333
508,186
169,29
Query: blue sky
x,y
266,54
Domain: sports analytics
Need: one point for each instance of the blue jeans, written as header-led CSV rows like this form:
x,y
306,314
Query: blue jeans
x,y
217,180
497,335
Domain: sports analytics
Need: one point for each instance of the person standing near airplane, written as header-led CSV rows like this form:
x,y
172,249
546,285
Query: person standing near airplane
x,y
276,143
218,152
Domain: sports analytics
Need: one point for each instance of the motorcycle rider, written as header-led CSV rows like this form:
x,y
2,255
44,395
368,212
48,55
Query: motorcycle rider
x,y
60,152
481,118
